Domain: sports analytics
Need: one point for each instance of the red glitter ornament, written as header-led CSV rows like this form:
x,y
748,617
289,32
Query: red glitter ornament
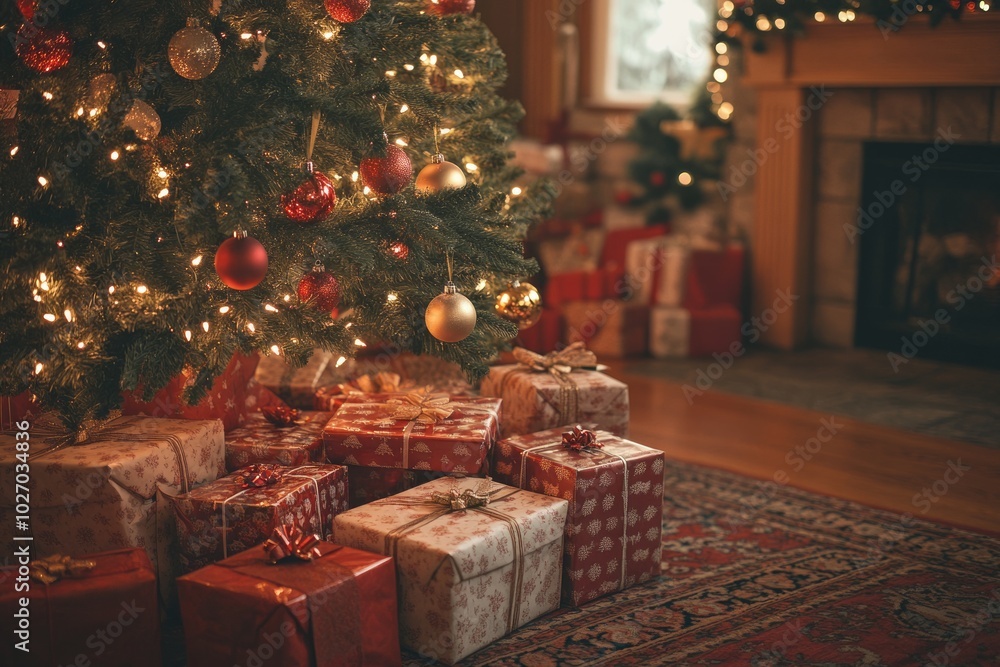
x,y
347,11
42,49
445,7
241,262
387,175
312,201
27,8
399,250
320,290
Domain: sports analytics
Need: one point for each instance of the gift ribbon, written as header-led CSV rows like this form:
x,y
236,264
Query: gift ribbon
x,y
257,475
331,594
53,568
543,449
580,438
559,364
481,501
420,407
290,542
287,475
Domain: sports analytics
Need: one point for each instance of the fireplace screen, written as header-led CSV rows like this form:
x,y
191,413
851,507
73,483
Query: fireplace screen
x,y
929,228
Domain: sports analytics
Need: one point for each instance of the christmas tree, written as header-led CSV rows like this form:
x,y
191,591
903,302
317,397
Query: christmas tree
x,y
188,179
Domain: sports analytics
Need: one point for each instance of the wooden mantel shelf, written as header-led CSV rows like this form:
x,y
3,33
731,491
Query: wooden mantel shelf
x,y
857,54
845,55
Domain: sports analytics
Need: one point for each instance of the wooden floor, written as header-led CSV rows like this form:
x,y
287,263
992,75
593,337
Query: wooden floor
x,y
870,464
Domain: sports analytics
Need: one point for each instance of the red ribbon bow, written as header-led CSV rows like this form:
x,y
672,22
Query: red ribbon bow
x,y
258,475
580,438
280,415
290,542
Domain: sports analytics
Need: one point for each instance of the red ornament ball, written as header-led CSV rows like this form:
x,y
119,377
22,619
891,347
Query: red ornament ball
x,y
320,290
347,11
241,262
312,201
399,250
387,175
27,8
445,7
657,179
42,49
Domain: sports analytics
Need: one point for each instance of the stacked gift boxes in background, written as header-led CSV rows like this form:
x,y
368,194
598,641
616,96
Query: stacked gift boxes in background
x,y
457,559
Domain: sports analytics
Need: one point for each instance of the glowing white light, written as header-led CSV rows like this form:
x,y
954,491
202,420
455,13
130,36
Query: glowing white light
x,y
68,314
187,335
39,368
328,34
481,285
359,342
684,178
720,75
446,130
42,181
102,45
721,47
141,289
196,261
471,166
111,290
49,317
81,345
275,349
408,67
459,74
354,177
162,173
246,35
269,308
251,328
47,95
516,191
115,155
391,297
390,73
14,150
224,309
163,193
204,325
340,361
819,16
404,108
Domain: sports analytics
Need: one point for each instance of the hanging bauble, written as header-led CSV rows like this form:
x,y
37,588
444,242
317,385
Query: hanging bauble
x,y
241,261
387,175
42,49
143,120
320,290
100,90
194,52
312,201
440,175
347,11
445,7
521,304
450,316
399,250
27,8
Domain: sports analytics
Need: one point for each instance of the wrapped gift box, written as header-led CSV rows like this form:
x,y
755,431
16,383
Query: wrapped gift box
x,y
339,609
714,278
16,408
581,251
374,387
536,400
260,441
373,435
715,330
109,493
657,270
669,332
117,596
615,495
223,518
295,386
366,485
609,328
468,576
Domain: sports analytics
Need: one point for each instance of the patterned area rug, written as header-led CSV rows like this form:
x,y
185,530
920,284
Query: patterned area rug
x,y
776,576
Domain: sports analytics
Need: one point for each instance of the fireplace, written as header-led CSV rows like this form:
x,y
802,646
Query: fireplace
x,y
928,230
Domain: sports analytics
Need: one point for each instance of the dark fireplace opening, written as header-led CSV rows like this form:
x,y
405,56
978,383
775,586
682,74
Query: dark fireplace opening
x,y
929,229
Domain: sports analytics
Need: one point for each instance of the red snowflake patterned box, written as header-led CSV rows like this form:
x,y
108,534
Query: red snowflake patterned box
x,y
615,491
475,560
261,441
108,493
415,431
232,514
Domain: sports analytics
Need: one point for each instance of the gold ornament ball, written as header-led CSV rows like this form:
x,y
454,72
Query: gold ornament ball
x,y
521,304
100,90
450,317
143,120
194,52
440,175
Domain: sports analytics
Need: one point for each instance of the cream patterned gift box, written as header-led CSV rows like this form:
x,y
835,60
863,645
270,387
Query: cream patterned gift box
x,y
108,493
467,577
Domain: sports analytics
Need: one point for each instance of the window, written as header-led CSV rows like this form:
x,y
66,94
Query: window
x,y
648,50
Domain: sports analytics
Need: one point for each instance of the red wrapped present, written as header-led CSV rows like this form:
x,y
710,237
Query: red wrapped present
x,y
239,511
714,278
546,334
261,441
715,330
609,328
615,489
93,610
233,398
369,484
541,392
418,431
337,610
17,408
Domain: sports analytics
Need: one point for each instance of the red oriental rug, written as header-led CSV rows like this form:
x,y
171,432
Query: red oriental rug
x,y
776,576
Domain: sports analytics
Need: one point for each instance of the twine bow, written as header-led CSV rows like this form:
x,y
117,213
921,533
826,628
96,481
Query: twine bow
x,y
53,432
258,475
467,499
53,568
559,362
579,439
280,415
422,406
290,542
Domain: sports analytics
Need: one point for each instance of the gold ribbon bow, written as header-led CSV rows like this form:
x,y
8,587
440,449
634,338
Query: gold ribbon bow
x,y
290,542
559,362
468,499
422,406
379,383
52,431
53,568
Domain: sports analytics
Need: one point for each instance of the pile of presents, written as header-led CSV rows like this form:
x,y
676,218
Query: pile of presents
x,y
628,290
357,513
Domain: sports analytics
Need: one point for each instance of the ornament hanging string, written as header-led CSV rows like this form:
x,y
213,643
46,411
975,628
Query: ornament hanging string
x,y
313,133
437,144
449,260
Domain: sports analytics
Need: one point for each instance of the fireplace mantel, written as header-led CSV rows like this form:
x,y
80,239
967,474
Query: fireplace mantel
x,y
963,53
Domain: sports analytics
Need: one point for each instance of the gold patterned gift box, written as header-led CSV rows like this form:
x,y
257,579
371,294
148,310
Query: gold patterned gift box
x,y
469,571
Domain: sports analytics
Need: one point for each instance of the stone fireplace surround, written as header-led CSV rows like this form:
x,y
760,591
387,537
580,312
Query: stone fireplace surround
x,y
904,87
